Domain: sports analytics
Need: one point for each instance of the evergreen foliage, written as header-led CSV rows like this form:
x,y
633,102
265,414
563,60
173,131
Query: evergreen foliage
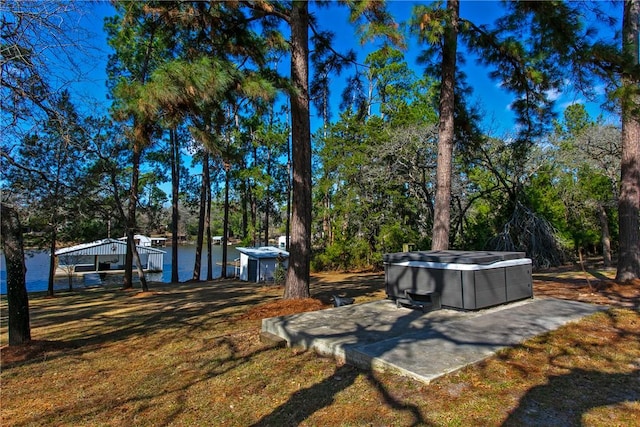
x,y
202,80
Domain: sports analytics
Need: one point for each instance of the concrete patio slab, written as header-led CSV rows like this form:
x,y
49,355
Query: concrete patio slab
x,y
378,335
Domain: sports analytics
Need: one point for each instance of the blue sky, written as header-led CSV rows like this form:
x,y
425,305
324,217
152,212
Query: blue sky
x,y
493,101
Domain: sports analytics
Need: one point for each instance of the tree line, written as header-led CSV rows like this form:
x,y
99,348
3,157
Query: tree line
x,y
405,161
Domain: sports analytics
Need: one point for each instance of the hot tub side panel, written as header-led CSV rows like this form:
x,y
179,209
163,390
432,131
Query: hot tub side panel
x,y
483,288
418,280
519,283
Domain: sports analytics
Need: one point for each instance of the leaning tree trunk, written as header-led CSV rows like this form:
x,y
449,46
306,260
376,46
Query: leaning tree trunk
x,y
131,215
297,281
629,201
17,297
200,238
139,269
442,214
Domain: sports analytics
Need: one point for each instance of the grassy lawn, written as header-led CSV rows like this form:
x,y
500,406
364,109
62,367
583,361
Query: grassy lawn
x,y
190,354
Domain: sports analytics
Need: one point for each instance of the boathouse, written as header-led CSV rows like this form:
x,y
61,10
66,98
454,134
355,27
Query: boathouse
x,y
104,256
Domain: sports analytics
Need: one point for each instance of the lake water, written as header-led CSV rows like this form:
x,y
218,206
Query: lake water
x,y
38,268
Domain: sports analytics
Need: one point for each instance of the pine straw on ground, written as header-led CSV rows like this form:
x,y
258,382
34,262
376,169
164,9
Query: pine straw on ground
x,y
604,292
284,308
556,283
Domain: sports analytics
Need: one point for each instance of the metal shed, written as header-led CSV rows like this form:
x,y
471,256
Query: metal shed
x,y
107,255
461,279
259,264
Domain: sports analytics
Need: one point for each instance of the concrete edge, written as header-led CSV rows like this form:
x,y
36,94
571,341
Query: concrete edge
x,y
344,351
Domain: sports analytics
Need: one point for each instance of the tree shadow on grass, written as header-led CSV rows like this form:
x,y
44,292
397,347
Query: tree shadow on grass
x,y
392,333
138,404
304,403
106,316
564,399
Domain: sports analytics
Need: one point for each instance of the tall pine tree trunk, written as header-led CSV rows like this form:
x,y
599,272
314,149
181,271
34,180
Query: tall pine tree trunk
x,y
629,201
207,225
175,193
442,214
267,199
52,263
244,206
287,227
225,221
297,281
254,203
17,297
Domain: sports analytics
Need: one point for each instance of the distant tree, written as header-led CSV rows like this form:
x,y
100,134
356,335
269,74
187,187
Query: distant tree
x,y
589,153
107,178
48,166
567,47
141,42
525,66
68,264
391,81
409,156
508,184
215,63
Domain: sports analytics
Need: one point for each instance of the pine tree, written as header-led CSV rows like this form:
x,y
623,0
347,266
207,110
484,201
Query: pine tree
x,y
629,201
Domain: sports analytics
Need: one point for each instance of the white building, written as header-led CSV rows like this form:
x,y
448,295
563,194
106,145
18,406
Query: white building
x,y
259,264
104,256
282,242
140,240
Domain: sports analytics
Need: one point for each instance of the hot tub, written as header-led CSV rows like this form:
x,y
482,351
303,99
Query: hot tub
x,y
462,279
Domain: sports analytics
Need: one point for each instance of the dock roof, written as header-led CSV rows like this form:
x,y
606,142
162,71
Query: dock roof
x,y
105,247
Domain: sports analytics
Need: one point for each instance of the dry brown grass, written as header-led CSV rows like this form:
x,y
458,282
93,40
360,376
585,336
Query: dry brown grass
x,y
191,355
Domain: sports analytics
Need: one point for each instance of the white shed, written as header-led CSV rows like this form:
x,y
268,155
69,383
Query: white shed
x,y
259,264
